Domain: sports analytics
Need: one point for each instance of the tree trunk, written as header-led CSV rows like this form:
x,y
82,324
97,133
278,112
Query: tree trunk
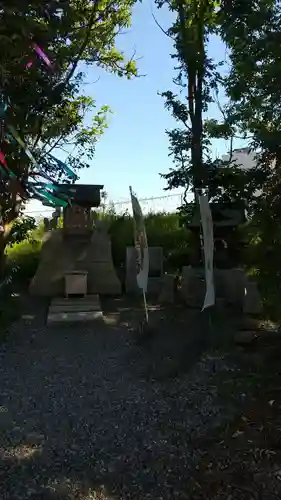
x,y
2,254
195,68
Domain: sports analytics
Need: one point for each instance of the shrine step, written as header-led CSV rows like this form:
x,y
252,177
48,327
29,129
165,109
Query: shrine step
x,y
68,310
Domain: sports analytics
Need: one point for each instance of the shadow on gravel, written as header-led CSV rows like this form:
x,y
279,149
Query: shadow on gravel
x,y
37,480
119,418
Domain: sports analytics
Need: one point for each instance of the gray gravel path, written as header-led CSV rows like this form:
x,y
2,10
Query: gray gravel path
x,y
77,422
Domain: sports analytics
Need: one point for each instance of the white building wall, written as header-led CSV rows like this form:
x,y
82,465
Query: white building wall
x,y
244,158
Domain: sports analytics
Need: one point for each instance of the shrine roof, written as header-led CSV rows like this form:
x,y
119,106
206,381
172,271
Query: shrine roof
x,y
86,195
223,215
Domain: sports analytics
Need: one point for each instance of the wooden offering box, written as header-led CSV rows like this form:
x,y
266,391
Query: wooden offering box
x,y
76,283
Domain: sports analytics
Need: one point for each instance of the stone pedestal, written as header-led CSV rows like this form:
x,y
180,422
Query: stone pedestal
x,y
167,294
193,286
252,299
76,283
229,286
155,270
60,255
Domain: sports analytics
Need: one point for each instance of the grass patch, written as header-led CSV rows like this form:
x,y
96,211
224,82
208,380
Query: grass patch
x,y
25,255
21,263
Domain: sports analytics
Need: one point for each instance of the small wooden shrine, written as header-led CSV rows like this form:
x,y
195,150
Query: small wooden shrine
x,y
77,216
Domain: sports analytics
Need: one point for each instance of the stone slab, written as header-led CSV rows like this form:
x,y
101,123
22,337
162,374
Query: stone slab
x,y
63,310
154,286
77,272
88,300
193,286
229,286
78,308
70,317
167,294
155,262
252,299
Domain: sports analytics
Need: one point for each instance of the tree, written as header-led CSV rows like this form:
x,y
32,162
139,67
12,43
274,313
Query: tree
x,y
190,143
22,229
251,31
197,76
44,104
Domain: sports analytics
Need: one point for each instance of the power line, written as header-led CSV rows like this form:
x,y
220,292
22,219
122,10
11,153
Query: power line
x,y
112,203
149,199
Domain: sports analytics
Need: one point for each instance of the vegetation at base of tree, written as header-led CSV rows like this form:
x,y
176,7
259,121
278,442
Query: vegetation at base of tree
x,y
162,230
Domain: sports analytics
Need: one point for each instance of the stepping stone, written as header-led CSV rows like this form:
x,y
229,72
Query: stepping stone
x,y
68,310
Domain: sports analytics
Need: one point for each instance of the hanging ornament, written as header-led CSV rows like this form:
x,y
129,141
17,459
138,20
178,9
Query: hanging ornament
x,y
3,109
9,138
41,54
2,229
29,64
8,171
51,198
23,145
40,174
64,167
3,159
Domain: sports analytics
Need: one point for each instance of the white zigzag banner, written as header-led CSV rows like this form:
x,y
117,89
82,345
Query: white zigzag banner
x,y
208,237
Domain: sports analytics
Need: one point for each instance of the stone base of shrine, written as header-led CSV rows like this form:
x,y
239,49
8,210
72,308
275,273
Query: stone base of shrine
x,y
69,310
231,285
61,257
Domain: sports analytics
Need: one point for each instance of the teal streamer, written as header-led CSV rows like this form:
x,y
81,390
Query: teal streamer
x,y
10,138
48,186
52,187
8,172
3,109
3,170
64,167
55,200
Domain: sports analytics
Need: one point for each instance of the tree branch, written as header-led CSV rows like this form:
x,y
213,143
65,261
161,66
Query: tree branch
x,y
69,76
159,26
52,147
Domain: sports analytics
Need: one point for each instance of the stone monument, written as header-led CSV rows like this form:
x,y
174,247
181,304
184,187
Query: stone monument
x,y
77,246
155,273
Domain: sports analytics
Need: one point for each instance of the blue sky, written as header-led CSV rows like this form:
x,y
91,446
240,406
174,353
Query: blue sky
x,y
134,149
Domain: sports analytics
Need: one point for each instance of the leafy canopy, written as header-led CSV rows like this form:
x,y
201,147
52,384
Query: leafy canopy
x,y
45,105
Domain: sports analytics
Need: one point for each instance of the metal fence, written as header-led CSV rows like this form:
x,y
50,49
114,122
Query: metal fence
x,y
157,204
168,204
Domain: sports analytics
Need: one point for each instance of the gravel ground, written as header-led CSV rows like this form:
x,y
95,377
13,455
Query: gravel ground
x,y
78,422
